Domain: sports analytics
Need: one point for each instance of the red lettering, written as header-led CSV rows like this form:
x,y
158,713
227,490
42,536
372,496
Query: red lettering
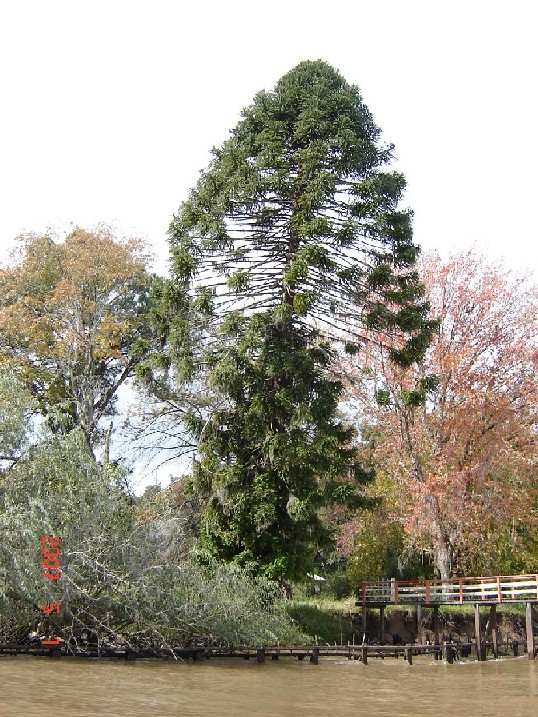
x,y
51,607
50,551
53,541
50,563
50,576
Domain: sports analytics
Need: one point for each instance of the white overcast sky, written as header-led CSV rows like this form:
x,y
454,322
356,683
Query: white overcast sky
x,y
109,108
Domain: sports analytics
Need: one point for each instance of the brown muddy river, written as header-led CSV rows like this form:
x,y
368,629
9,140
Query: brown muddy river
x,y
32,686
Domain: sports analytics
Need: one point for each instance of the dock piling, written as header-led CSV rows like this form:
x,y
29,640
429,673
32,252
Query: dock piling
x,y
382,625
419,624
364,623
480,641
492,629
529,630
436,639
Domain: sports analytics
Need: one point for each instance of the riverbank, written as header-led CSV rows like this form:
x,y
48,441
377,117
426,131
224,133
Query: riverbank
x,y
340,622
315,622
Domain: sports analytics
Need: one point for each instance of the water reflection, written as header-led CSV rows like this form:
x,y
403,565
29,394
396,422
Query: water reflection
x,y
32,686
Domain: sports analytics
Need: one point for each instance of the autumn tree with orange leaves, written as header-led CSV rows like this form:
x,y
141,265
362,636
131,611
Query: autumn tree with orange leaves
x,y
73,323
461,449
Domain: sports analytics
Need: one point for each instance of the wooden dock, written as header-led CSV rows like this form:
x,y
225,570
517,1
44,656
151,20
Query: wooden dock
x,y
448,651
481,592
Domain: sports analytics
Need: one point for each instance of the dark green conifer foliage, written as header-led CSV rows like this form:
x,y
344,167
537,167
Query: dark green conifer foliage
x,y
291,236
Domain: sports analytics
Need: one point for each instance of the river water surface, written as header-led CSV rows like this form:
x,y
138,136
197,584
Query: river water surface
x,y
32,686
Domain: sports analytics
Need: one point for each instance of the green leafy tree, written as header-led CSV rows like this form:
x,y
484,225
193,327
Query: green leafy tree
x,y
16,408
126,577
295,221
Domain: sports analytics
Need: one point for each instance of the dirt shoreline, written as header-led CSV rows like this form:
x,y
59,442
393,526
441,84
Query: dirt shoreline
x,y
453,626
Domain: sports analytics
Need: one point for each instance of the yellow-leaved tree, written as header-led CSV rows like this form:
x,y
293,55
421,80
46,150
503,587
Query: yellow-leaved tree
x,y
73,323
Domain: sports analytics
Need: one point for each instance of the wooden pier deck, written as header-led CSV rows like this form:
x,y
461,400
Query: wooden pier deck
x,y
480,592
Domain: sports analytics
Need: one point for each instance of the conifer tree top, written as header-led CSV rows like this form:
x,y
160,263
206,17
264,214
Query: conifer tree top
x,y
297,214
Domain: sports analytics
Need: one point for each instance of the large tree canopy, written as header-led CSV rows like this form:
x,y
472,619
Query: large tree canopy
x,y
463,462
293,225
73,323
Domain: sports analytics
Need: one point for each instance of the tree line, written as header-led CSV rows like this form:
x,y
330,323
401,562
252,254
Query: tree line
x,y
349,405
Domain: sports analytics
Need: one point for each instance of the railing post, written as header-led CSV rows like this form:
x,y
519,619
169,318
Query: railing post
x,y
461,591
499,591
363,593
395,592
427,592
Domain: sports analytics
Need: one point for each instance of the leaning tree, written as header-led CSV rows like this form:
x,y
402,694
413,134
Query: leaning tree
x,y
293,225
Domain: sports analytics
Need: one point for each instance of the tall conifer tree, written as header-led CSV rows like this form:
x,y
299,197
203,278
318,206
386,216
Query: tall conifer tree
x,y
294,223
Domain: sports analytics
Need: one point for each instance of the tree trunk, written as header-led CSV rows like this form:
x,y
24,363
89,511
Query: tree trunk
x,y
443,557
443,550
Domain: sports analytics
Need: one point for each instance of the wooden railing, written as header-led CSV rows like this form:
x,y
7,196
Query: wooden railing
x,y
512,588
